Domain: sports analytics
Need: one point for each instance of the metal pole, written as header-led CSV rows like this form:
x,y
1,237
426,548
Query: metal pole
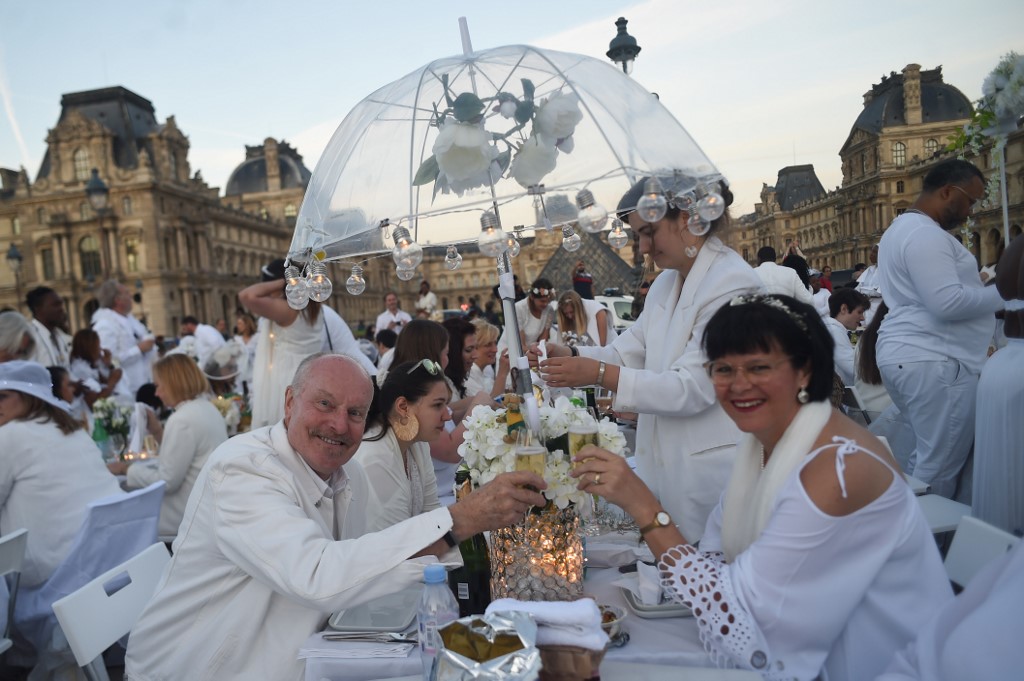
x,y
1002,186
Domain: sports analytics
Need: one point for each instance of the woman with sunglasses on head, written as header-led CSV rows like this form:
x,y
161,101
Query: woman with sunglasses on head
x,y
817,562
409,412
685,443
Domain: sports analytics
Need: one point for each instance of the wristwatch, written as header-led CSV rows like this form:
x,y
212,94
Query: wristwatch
x,y
661,519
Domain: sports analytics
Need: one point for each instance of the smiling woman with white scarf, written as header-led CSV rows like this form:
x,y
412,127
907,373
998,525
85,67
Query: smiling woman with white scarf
x,y
817,562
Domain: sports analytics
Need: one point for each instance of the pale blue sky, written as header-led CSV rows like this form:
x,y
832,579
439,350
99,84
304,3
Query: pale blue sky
x,y
760,85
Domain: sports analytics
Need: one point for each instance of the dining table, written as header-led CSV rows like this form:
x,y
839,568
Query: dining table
x,y
668,642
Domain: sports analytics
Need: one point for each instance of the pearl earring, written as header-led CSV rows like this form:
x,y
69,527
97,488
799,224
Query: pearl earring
x,y
803,397
691,251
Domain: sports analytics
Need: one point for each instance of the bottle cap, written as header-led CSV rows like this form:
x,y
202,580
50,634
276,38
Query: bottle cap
x,y
435,574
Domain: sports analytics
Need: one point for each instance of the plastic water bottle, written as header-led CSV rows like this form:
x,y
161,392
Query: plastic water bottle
x,y
437,608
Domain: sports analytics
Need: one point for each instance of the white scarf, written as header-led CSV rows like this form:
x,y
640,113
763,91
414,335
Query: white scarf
x,y
751,493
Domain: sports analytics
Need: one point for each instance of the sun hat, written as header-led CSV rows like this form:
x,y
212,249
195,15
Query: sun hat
x,y
32,379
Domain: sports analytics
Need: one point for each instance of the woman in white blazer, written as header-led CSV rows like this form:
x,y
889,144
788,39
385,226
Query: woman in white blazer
x,y
685,443
192,432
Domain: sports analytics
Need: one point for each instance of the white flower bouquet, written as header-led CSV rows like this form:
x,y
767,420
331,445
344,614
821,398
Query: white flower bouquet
x,y
115,418
487,454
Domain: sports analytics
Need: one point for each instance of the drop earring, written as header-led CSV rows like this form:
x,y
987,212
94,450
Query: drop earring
x,y
406,428
803,397
691,251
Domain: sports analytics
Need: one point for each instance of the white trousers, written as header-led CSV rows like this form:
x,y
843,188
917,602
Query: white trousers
x,y
937,398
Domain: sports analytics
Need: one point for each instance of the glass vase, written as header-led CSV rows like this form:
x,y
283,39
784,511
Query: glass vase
x,y
539,558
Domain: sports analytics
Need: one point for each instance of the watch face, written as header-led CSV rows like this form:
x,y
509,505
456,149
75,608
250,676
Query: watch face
x,y
663,519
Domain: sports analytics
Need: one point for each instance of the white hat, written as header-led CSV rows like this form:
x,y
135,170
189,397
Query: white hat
x,y
813,272
32,379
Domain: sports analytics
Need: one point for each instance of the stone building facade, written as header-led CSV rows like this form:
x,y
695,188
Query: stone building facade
x,y
165,233
902,131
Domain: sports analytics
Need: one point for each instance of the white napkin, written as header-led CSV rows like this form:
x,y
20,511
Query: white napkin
x,y
564,623
316,646
609,553
649,583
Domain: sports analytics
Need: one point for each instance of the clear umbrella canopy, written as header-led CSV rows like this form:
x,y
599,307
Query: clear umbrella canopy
x,y
503,130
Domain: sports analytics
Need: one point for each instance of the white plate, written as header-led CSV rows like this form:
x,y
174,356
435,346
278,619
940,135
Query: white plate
x,y
395,612
655,612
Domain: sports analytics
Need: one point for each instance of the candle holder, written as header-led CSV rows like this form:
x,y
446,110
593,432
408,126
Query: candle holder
x,y
539,558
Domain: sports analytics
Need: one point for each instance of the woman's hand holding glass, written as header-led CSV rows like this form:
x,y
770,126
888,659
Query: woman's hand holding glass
x,y
533,353
609,476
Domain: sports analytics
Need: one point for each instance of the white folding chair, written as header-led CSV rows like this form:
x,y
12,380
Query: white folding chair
x,y
105,609
115,529
854,404
12,555
942,514
975,545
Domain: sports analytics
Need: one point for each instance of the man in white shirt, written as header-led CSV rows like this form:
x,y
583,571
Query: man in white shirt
x,y
274,539
48,316
127,339
820,295
933,342
338,339
208,338
867,283
846,309
392,317
426,306
780,280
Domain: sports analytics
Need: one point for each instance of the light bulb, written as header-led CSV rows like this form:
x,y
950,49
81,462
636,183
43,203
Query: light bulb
x,y
355,284
513,246
299,286
453,259
319,284
292,275
405,274
592,216
652,206
617,237
407,253
711,206
570,239
697,225
493,241
298,298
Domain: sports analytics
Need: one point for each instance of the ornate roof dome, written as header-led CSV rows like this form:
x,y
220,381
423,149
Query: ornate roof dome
x,y
885,105
252,175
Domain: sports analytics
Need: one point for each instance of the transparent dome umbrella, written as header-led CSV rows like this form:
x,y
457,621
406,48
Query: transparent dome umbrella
x,y
515,131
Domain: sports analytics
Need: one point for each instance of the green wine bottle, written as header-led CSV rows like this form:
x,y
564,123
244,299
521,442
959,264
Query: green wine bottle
x,y
471,583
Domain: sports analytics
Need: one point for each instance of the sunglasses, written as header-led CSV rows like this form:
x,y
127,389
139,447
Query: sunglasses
x,y
432,367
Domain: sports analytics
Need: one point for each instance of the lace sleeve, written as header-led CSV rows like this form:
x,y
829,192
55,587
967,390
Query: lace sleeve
x,y
729,634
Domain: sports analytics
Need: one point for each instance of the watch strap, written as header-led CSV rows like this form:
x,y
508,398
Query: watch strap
x,y
656,523
449,539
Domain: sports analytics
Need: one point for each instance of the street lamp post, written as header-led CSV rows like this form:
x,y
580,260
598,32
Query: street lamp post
x,y
15,260
623,48
98,193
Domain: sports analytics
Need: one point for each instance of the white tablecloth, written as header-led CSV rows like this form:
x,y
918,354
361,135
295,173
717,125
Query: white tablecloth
x,y
652,641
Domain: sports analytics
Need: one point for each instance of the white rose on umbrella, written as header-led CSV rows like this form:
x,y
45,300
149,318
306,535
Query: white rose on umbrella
x,y
535,159
464,154
558,116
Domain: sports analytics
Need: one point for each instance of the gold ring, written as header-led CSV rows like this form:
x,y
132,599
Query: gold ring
x,y
597,479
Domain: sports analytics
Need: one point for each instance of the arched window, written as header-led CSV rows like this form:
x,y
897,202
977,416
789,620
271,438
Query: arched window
x,y
82,163
131,253
89,256
126,205
900,186
83,210
899,153
931,147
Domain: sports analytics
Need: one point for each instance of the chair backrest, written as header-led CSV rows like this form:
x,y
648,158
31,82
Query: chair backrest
x,y
975,545
115,529
12,555
105,609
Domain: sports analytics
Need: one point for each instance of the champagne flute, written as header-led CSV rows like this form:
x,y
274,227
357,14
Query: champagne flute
x,y
580,435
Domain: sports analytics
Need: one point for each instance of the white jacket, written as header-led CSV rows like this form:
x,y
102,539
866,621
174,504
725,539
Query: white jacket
x,y
192,432
121,336
783,281
685,442
258,565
